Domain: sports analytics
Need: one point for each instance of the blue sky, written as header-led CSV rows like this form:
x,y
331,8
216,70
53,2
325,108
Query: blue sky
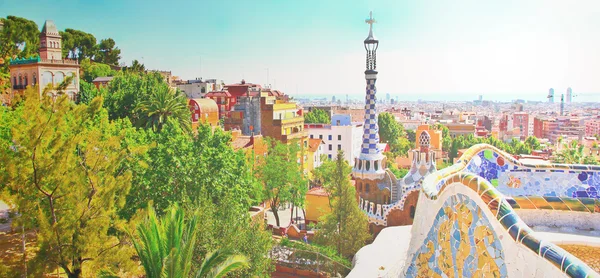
x,y
429,49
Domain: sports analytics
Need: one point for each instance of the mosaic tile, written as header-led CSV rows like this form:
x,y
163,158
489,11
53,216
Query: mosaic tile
x,y
459,244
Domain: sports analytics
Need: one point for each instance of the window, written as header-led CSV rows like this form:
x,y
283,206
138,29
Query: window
x,y
376,165
339,147
329,156
367,187
337,122
339,137
311,136
26,81
330,147
321,136
368,166
20,80
35,79
412,212
329,137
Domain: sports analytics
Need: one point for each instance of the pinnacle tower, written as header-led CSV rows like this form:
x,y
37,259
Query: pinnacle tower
x,y
371,162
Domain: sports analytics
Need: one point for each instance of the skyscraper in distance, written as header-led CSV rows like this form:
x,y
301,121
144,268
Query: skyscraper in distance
x,y
569,95
551,95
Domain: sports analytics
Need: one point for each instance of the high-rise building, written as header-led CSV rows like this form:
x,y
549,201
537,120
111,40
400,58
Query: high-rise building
x,y
551,95
387,98
569,95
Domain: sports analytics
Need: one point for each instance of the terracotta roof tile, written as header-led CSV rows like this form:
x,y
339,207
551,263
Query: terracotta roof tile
x,y
318,191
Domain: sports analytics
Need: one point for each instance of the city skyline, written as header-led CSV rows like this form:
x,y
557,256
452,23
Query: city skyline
x,y
434,49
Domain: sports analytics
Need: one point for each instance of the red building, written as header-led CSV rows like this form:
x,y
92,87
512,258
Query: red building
x,y
228,97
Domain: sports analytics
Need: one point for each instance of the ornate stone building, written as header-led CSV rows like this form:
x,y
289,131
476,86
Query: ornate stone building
x,y
47,68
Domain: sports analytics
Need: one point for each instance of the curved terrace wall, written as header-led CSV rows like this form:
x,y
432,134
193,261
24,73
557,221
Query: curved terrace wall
x,y
466,225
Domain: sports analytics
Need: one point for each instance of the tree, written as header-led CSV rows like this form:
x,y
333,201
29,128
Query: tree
x,y
127,90
162,104
165,248
281,174
572,153
346,227
389,129
92,70
77,44
19,37
63,175
532,142
108,53
179,166
87,92
317,116
136,66
411,135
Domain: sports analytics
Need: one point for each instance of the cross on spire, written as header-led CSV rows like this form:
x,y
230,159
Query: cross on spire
x,y
370,21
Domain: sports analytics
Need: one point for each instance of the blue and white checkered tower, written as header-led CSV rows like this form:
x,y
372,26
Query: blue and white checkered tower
x,y
371,162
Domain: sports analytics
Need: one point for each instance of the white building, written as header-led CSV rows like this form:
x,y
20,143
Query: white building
x,y
341,134
198,88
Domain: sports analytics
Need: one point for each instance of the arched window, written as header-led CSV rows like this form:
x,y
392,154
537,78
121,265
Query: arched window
x,y
376,165
368,166
26,81
59,77
412,212
33,79
20,80
15,81
46,79
367,187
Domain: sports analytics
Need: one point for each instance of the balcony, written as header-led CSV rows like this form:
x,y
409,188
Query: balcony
x,y
19,87
294,120
295,135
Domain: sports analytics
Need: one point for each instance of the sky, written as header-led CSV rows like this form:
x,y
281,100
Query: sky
x,y
429,49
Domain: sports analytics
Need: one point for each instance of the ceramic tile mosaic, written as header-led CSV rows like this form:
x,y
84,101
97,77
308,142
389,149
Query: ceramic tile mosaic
x,y
502,207
461,243
515,179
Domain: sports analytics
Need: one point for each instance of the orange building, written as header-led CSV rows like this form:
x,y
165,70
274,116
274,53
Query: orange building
x,y
203,111
49,68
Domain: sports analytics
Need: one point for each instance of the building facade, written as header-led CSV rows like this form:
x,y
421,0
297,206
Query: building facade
x,y
204,111
47,69
341,134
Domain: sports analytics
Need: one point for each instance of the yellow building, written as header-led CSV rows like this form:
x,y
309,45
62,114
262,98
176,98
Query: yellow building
x,y
317,204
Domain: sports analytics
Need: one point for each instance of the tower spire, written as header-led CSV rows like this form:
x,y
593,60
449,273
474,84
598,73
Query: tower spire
x,y
371,162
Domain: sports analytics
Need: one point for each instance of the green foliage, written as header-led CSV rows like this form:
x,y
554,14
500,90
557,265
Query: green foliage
x,y
229,227
166,247
398,172
127,90
317,116
19,38
324,250
108,53
515,147
77,44
62,173
346,227
87,92
393,133
161,105
92,70
389,129
281,175
136,66
178,166
573,153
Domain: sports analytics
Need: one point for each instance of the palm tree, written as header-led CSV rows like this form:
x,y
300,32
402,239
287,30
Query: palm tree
x,y
162,104
572,153
166,246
